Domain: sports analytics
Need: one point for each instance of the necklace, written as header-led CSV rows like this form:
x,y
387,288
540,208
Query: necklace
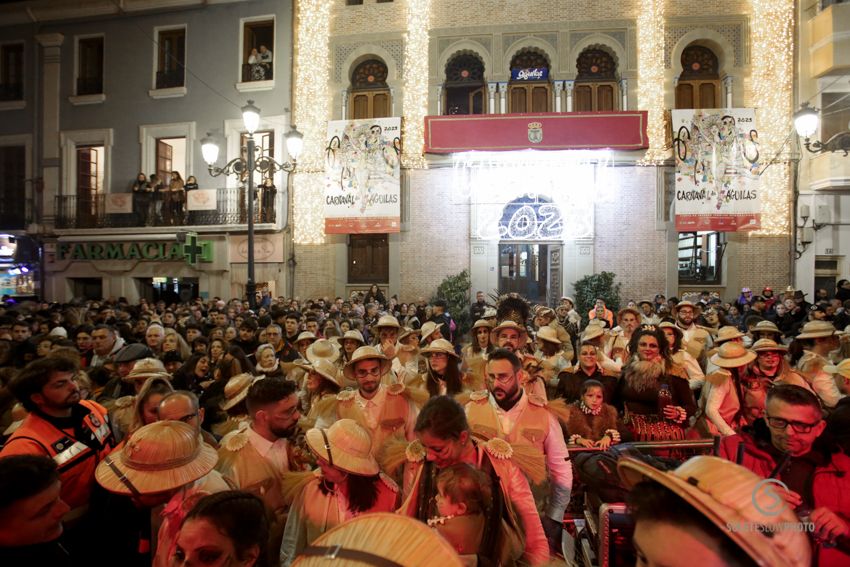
x,y
589,410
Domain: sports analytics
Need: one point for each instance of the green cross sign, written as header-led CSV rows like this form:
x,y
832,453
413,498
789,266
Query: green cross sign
x,y
195,250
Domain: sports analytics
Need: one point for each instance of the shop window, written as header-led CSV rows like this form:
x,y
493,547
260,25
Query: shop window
x,y
89,66
700,257
699,83
12,72
596,87
370,94
257,50
527,92
368,258
12,187
465,88
87,288
171,58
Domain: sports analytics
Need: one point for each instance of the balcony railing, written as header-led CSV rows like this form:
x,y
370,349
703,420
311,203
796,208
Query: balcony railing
x,y
169,79
231,208
256,72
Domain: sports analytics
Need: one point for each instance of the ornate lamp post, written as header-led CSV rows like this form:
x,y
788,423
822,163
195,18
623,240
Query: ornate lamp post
x,y
248,166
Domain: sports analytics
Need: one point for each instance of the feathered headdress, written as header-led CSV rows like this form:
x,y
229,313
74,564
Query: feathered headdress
x,y
512,306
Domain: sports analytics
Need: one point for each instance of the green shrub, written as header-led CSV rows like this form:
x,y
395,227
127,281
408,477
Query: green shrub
x,y
455,291
591,287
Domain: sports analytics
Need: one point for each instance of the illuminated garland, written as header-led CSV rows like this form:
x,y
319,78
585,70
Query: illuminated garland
x,y
773,52
312,59
650,32
415,83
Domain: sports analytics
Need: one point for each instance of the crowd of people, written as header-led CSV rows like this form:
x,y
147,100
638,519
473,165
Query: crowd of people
x,y
208,433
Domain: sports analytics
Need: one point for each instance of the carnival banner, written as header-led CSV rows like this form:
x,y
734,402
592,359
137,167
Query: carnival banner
x,y
717,170
362,176
201,200
118,203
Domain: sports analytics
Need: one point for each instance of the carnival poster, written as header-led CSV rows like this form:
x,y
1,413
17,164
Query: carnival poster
x,y
362,176
717,170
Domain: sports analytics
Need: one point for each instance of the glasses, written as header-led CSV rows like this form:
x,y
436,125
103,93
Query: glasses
x,y
797,426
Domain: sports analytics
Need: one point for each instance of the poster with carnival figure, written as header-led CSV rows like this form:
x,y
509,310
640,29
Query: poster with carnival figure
x,y
717,170
363,177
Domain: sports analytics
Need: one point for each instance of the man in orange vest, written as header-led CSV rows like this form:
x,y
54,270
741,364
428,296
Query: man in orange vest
x,y
74,433
601,312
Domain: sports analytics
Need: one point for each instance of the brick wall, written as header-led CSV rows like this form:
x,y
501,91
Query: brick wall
x,y
315,272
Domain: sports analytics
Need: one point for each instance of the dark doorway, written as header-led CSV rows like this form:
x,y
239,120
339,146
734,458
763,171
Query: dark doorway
x,y
523,269
87,288
169,290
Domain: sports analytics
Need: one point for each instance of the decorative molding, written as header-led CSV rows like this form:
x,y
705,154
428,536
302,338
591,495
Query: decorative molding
x,y
255,86
82,100
13,105
175,92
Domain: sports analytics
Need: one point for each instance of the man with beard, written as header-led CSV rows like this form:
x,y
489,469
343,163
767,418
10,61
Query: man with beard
x,y
476,310
509,336
509,413
696,340
385,333
384,411
254,457
74,433
617,345
106,343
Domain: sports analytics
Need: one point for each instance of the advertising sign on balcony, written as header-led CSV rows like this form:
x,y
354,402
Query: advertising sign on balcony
x,y
533,74
117,203
717,170
362,176
201,200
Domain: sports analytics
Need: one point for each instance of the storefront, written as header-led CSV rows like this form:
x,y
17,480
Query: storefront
x,y
19,266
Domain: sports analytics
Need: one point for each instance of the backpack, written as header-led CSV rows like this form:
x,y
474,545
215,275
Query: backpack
x,y
598,471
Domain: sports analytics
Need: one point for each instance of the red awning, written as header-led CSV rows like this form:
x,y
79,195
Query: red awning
x,y
549,131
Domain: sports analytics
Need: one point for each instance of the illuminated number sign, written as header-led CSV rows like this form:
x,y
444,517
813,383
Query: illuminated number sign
x,y
531,217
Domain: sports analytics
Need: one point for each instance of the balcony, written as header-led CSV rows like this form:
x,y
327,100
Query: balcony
x,y
74,212
829,51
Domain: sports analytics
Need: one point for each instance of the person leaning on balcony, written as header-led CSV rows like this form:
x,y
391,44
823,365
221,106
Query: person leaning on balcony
x,y
155,187
267,197
141,198
191,185
175,199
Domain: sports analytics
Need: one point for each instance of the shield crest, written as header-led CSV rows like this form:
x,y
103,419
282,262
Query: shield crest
x,y
535,132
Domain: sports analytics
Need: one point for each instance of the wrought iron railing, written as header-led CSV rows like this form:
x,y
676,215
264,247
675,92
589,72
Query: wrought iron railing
x,y
231,208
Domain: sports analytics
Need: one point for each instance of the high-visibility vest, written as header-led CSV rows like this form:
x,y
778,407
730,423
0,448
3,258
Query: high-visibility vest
x,y
75,460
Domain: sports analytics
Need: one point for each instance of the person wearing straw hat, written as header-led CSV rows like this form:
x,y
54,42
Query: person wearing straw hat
x,y
545,317
697,340
710,512
385,411
347,484
318,397
380,539
255,456
444,439
320,349
408,364
812,348
442,376
771,367
724,404
787,445
233,404
766,330
164,467
506,411
509,335
385,333
431,331
474,355
617,344
680,356
724,334
841,372
132,412
551,356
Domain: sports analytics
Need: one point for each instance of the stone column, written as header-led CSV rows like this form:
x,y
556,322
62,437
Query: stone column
x,y
491,92
624,94
503,95
439,93
569,85
559,87
51,44
392,101
727,85
344,94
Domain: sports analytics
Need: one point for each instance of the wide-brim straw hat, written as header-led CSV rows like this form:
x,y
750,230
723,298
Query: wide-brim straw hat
x,y
549,335
685,303
669,325
390,537
768,345
406,332
305,336
323,349
729,494
592,331
236,389
440,345
632,310
326,369
352,334
428,329
727,333
842,368
146,368
766,327
645,301
508,324
346,446
732,355
817,329
482,323
543,311
386,321
366,353
158,457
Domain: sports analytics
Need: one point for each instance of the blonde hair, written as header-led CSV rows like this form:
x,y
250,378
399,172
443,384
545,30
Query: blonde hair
x,y
465,484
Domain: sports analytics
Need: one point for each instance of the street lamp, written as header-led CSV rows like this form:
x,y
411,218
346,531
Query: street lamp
x,y
248,166
806,122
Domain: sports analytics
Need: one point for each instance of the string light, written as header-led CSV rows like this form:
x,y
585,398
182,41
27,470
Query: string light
x,y
773,50
312,60
650,32
415,83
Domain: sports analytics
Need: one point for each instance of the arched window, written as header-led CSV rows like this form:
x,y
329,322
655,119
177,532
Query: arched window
x,y
530,89
699,83
465,87
596,85
369,95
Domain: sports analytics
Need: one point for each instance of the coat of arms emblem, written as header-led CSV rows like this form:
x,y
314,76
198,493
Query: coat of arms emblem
x,y
535,132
